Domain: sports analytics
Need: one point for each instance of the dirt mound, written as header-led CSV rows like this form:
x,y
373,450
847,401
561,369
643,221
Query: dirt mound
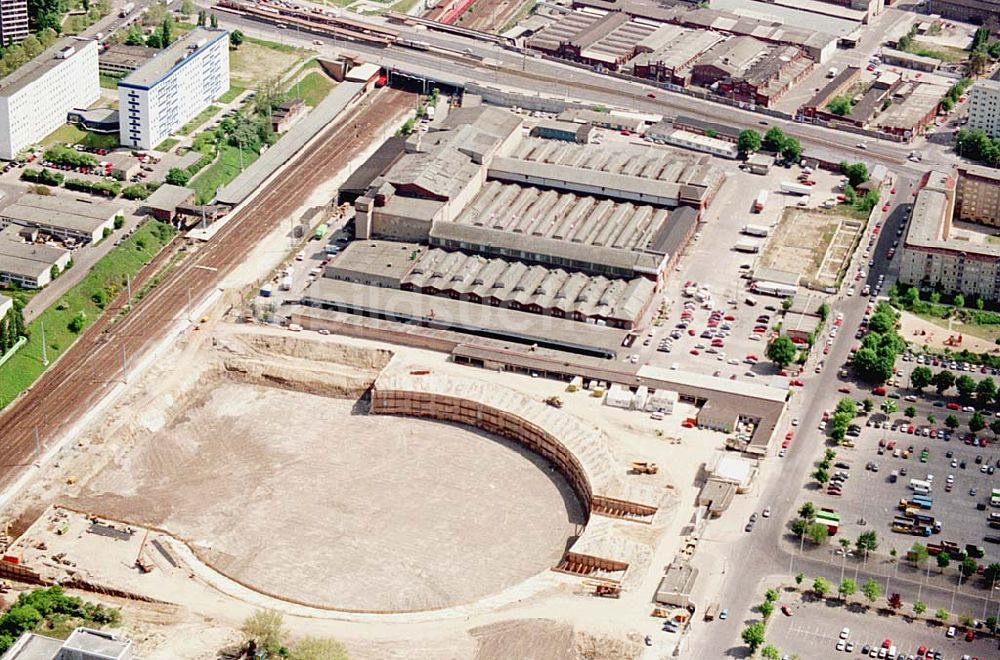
x,y
320,351
525,638
335,384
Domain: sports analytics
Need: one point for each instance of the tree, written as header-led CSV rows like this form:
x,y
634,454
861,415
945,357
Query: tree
x,y
214,21
991,573
959,300
868,404
771,595
845,544
965,386
978,62
770,652
943,560
781,352
871,590
942,614
799,527
829,455
774,139
178,177
45,14
799,578
821,475
889,406
264,630
968,567
316,648
808,511
187,7
977,422
867,541
873,365
753,636
943,380
236,38
856,174
818,533
952,422
931,418
910,412
840,105
154,40
991,621
135,37
766,609
895,602
919,607
77,323
792,150
920,378
749,141
202,17
848,588
821,586
995,427
910,298
986,390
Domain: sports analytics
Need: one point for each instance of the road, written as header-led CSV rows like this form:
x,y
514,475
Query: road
x,y
84,373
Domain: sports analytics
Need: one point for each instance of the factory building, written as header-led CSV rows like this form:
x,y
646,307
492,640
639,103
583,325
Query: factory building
x,y
82,220
172,88
35,98
969,11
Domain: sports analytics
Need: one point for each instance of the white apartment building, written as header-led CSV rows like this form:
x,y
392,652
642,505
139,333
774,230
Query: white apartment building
x,y
984,108
169,90
35,99
13,21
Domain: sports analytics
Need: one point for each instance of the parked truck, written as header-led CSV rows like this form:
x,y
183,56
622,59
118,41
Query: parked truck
x,y
761,200
795,188
774,289
286,283
747,246
832,72
756,230
126,9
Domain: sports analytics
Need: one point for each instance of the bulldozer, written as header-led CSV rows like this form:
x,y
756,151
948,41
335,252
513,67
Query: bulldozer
x,y
644,467
554,401
604,589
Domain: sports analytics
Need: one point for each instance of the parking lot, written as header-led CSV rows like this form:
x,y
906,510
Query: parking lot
x,y
814,629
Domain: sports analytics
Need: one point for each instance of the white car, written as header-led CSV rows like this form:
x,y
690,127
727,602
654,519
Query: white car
x,y
766,512
951,631
795,421
845,633
840,645
861,145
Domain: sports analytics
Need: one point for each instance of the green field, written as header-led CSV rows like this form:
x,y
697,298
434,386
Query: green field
x,y
222,171
312,88
199,119
109,82
230,96
167,144
72,134
107,275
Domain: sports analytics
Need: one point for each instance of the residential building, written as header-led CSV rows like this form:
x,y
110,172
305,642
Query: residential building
x,y
82,644
977,196
35,99
970,11
28,265
984,108
166,92
13,21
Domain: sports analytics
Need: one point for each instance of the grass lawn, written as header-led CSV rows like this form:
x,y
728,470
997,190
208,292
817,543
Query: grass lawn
x,y
987,332
199,119
945,53
312,88
26,366
222,171
230,96
109,82
274,45
167,144
72,134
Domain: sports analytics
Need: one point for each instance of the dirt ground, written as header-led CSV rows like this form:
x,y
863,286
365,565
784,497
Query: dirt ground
x,y
310,499
925,333
252,63
810,242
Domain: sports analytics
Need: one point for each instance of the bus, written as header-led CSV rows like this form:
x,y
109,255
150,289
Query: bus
x,y
321,230
920,487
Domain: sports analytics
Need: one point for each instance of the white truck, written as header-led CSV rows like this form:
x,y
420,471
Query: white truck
x,y
761,200
832,73
756,230
795,188
747,246
126,9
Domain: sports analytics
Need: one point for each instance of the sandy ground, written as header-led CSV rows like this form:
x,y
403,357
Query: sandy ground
x,y
924,333
802,243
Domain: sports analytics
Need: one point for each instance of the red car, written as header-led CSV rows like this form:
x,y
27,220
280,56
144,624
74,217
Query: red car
x,y
786,610
695,351
885,208
951,405
752,358
844,390
893,191
970,635
651,95
886,643
729,317
692,332
797,383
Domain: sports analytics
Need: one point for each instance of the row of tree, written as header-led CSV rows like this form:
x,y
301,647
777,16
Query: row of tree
x,y
775,140
12,325
976,145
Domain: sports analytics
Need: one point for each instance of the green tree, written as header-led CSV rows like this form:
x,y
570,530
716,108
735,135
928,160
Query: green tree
x,y
187,7
986,390
919,607
991,621
991,573
808,511
818,533
871,590
770,652
848,588
214,20
799,578
315,648
781,352
978,63
236,38
799,527
766,609
867,541
178,177
840,105
771,595
943,560
264,629
45,14
920,378
847,405
77,323
856,173
942,614
792,150
931,418
951,422
943,381
911,297
910,412
889,406
872,365
202,17
135,37
868,405
968,567
965,386
774,139
959,300
977,422
749,141
995,427
821,586
821,475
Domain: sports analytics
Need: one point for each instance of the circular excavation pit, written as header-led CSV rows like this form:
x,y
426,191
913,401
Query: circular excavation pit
x,y
309,499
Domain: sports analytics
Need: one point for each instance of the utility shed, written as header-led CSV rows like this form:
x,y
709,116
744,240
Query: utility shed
x,y
165,200
676,586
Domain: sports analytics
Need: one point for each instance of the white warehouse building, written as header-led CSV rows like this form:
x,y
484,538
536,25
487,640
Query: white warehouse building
x,y
169,90
35,99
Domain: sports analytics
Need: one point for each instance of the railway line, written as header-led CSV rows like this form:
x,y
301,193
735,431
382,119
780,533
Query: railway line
x,y
81,377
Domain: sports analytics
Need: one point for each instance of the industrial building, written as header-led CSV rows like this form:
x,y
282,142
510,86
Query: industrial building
x,y
749,70
78,219
13,21
893,57
82,644
984,108
28,264
167,91
35,99
666,55
286,114
914,106
554,129
977,195
163,204
606,41
969,11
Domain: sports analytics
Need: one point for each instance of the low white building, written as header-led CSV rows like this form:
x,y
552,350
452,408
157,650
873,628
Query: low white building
x,y
78,218
618,397
6,304
36,98
28,265
662,401
172,88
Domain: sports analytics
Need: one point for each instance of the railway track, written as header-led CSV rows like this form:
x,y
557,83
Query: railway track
x,y
84,373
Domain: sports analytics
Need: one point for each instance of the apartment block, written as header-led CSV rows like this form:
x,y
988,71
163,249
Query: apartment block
x,y
172,88
35,99
977,195
984,107
13,21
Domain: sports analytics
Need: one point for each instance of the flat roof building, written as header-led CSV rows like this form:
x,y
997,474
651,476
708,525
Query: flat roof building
x,y
977,195
36,98
167,91
607,41
6,304
82,644
894,57
971,11
676,586
121,60
914,106
166,199
28,265
80,219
